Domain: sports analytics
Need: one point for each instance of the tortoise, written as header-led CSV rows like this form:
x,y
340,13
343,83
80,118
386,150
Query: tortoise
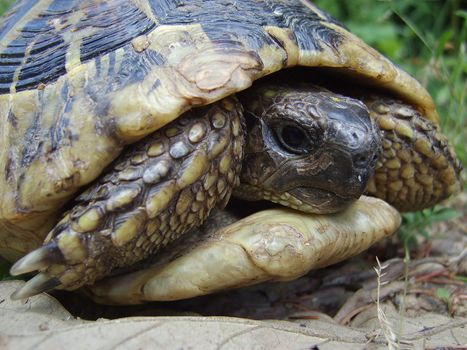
x,y
121,130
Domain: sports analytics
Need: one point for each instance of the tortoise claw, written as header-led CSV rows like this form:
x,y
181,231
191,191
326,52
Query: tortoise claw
x,y
36,285
38,259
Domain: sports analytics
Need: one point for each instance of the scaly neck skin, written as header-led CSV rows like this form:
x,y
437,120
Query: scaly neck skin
x,y
307,148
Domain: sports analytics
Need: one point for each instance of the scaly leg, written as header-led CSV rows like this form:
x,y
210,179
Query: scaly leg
x,y
417,168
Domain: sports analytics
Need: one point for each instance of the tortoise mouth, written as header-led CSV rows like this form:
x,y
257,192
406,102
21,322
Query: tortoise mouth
x,y
320,201
312,200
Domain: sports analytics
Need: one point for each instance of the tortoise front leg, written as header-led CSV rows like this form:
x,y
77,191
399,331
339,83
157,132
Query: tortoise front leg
x,y
417,167
159,189
272,245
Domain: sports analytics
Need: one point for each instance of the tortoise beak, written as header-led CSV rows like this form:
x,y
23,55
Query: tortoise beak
x,y
330,191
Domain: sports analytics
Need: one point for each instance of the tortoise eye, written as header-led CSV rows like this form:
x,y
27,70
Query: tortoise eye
x,y
294,139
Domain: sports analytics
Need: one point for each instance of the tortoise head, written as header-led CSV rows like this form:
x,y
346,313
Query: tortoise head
x,y
307,147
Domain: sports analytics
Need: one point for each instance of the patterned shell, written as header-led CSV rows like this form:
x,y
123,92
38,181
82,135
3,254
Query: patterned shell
x,y
80,79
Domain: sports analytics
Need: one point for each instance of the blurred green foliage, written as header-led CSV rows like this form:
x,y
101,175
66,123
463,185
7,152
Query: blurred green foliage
x,y
5,5
416,224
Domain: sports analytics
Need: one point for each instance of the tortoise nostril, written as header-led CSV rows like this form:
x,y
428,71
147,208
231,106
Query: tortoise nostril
x,y
374,160
365,160
360,160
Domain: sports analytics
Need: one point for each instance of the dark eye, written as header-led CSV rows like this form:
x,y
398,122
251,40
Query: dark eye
x,y
293,138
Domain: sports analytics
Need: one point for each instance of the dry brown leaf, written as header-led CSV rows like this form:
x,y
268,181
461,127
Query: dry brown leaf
x,y
42,323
